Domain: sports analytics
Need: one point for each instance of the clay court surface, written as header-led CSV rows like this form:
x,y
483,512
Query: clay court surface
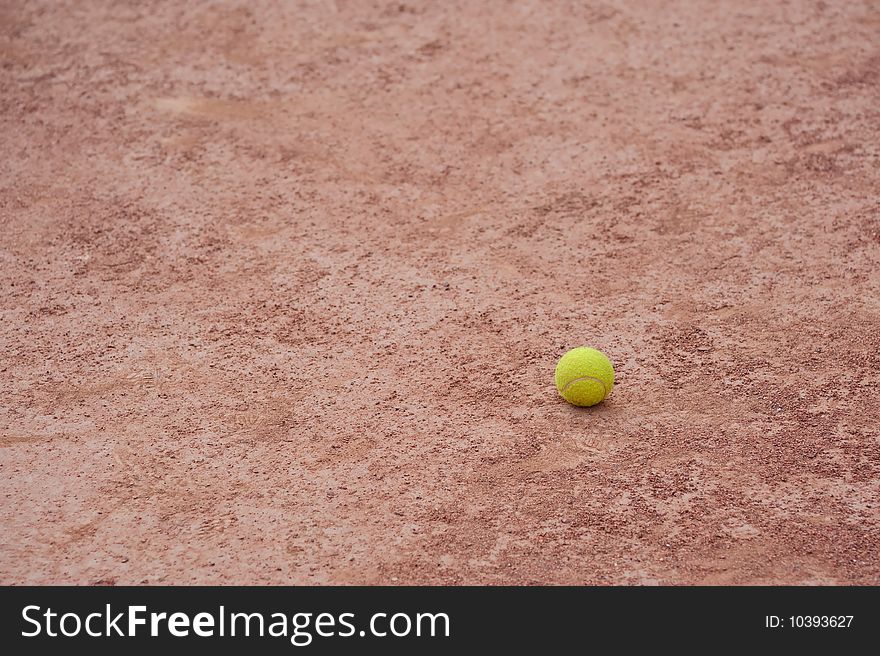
x,y
284,285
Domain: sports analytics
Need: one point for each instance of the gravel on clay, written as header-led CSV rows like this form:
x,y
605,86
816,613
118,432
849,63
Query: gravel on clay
x,y
284,285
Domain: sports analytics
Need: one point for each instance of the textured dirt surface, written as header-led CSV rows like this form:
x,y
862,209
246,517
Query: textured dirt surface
x,y
284,285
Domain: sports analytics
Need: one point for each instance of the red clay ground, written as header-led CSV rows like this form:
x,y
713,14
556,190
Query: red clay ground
x,y
284,285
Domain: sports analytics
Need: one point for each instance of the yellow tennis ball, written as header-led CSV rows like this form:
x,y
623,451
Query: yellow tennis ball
x,y
584,376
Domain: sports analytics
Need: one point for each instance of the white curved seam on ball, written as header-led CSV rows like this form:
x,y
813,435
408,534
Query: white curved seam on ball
x,y
577,380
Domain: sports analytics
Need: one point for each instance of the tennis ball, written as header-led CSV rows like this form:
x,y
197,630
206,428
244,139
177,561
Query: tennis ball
x,y
584,376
